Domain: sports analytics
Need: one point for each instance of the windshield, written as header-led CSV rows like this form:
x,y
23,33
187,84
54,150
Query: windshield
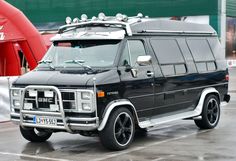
x,y
83,53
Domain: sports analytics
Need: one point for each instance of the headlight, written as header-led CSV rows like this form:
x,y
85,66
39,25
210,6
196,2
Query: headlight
x,y
86,95
16,103
15,92
85,102
15,98
86,106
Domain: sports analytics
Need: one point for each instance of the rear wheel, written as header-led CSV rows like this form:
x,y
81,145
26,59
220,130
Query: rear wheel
x,y
119,130
210,113
35,135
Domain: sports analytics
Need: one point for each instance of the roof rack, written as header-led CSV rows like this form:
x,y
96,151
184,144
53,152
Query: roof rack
x,y
124,25
120,20
179,32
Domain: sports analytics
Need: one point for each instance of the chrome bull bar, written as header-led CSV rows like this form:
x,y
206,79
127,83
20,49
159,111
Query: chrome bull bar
x,y
59,115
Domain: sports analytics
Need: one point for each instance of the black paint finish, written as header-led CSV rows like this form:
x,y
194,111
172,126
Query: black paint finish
x,y
151,95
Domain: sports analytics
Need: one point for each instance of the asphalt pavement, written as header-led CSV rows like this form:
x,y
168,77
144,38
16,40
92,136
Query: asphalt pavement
x,y
176,141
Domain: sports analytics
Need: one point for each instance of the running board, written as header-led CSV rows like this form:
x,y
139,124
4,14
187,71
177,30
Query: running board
x,y
162,120
190,114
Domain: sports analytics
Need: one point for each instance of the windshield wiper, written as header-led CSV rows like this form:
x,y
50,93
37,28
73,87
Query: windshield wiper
x,y
48,62
79,62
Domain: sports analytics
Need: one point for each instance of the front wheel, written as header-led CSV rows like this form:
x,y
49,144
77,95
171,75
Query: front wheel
x,y
119,130
35,135
210,113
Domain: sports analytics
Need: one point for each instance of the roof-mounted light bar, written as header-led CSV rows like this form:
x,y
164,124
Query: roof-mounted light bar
x,y
102,17
124,25
121,20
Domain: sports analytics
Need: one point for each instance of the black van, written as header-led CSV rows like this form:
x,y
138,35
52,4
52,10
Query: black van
x,y
111,76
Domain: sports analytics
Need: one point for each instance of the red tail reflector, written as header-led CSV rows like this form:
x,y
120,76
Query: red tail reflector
x,y
227,77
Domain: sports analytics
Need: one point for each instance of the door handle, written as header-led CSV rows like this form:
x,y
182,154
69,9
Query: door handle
x,y
150,73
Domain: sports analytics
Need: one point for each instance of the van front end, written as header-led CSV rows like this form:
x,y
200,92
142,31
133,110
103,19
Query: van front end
x,y
48,107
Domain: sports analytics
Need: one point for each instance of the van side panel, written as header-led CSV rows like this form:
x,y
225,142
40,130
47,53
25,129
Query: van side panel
x,y
182,91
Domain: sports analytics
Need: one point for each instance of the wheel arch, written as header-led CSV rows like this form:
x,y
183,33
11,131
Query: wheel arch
x,y
205,93
114,105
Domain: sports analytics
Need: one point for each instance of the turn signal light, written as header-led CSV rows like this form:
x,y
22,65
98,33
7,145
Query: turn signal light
x,y
227,77
100,94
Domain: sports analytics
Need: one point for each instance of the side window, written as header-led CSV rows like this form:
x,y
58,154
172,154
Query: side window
x,y
125,58
132,50
202,55
169,56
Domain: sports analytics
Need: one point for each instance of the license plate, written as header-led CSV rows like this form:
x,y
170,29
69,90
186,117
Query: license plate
x,y
44,120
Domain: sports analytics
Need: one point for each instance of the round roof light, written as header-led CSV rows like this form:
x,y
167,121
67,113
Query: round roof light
x,y
119,16
76,20
94,18
84,17
68,20
125,18
140,15
101,16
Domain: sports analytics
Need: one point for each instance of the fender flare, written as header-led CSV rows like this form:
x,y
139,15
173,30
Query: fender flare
x,y
205,92
112,105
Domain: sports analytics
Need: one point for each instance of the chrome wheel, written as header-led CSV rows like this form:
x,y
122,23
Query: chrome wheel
x,y
123,129
212,111
119,131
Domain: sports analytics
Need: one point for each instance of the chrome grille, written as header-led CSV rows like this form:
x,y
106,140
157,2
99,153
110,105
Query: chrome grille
x,y
40,102
68,100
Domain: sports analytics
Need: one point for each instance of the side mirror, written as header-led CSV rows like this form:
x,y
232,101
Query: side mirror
x,y
144,60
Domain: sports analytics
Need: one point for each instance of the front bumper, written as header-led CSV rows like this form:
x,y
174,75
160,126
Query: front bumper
x,y
63,121
72,123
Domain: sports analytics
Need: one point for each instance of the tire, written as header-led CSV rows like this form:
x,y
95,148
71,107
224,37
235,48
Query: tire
x,y
210,113
141,132
34,135
119,131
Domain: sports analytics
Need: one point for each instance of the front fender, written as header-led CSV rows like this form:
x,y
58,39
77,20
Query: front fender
x,y
112,105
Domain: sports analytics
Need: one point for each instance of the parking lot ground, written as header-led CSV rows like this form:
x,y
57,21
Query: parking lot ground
x,y
176,141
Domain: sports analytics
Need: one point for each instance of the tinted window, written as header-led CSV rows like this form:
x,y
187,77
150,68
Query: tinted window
x,y
200,50
136,49
180,69
132,50
211,66
167,51
94,53
168,70
201,67
125,58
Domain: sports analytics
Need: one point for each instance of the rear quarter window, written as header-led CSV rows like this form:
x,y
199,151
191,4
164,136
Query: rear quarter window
x,y
202,54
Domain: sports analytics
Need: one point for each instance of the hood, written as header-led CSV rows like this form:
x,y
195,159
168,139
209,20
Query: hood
x,y
57,78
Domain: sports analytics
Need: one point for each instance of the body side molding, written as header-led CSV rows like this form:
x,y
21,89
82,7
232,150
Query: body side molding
x,y
156,121
190,114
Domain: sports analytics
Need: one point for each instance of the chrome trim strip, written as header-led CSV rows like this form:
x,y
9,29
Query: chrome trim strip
x,y
190,114
180,32
15,114
82,119
45,126
41,113
186,89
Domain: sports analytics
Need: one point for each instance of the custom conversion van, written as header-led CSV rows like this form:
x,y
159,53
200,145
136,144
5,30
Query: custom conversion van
x,y
113,75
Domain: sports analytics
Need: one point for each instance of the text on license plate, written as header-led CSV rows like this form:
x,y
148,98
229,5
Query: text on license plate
x,y
44,120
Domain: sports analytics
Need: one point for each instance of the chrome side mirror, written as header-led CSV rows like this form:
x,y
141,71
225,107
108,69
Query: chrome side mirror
x,y
144,60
